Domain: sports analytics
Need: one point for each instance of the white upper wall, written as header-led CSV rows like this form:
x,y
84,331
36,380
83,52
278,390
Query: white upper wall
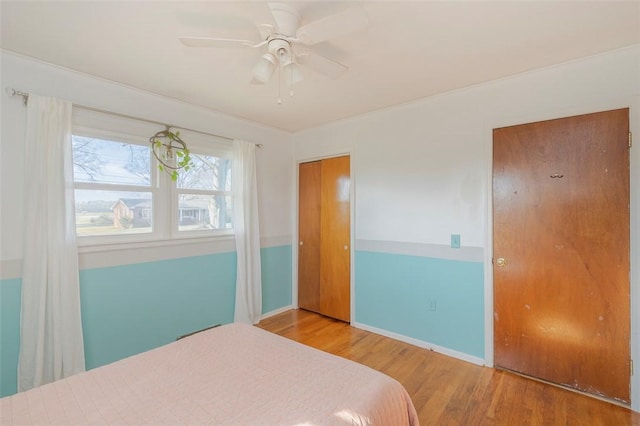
x,y
25,74
422,170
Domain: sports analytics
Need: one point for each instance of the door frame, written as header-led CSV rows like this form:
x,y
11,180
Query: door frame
x,y
296,237
633,103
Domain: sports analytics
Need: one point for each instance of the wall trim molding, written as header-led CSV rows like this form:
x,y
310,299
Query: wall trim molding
x,y
275,241
106,256
10,269
438,251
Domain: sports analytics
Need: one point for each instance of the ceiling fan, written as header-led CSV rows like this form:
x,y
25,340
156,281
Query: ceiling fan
x,y
286,43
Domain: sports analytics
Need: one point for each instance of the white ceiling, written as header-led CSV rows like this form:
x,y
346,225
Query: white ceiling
x,y
410,50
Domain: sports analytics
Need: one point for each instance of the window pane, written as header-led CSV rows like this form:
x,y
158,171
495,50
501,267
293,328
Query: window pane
x,y
206,172
199,212
102,161
113,212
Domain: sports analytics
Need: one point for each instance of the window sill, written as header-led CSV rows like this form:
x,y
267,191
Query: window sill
x,y
92,245
92,256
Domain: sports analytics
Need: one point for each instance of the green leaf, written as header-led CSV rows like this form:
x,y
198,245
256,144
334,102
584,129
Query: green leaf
x,y
180,153
174,176
161,167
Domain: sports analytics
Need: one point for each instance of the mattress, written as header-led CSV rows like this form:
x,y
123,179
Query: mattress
x,y
235,374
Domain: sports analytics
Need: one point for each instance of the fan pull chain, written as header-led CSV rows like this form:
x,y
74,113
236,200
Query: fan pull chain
x,y
291,75
279,84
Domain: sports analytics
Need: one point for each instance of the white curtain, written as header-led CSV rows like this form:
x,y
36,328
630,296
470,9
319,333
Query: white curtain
x,y
245,222
51,343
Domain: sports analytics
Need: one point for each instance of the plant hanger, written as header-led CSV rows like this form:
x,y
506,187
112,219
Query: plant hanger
x,y
171,152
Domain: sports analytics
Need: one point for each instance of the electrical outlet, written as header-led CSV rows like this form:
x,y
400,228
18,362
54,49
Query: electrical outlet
x,y
431,304
455,240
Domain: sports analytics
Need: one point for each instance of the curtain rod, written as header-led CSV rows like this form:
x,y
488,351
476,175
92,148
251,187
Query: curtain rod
x,y
25,99
25,96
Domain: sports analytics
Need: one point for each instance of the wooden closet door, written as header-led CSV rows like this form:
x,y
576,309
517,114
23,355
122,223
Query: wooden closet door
x,y
335,257
561,251
309,185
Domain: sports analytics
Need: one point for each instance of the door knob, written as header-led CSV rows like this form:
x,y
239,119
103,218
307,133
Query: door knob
x,y
501,261
346,247
301,243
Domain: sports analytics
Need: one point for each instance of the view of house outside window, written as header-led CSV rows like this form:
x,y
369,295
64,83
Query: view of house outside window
x,y
117,185
113,192
204,200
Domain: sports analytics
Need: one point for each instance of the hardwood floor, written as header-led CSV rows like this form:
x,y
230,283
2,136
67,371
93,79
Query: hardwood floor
x,y
447,391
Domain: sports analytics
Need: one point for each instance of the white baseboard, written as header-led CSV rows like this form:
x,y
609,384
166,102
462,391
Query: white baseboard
x,y
422,344
277,311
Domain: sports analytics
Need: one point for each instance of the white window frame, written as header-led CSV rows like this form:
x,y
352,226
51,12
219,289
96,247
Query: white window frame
x,y
196,148
163,190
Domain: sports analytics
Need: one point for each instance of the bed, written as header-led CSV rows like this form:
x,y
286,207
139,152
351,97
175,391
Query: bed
x,y
235,374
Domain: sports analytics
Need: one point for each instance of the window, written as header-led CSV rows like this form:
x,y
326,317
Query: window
x,y
113,191
120,194
204,194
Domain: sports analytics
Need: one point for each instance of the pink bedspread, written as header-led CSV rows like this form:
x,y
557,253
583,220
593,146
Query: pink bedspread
x,y
231,375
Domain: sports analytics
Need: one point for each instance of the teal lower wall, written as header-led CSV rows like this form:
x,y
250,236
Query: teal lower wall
x,y
392,292
10,291
133,308
276,278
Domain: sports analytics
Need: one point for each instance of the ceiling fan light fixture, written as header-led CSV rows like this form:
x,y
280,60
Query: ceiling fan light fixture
x,y
264,69
283,56
283,39
292,71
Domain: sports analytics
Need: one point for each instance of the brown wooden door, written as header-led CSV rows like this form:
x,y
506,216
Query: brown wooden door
x,y
335,289
561,251
324,270
309,182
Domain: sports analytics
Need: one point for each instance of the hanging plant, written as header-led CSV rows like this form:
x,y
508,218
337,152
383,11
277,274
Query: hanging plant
x,y
171,152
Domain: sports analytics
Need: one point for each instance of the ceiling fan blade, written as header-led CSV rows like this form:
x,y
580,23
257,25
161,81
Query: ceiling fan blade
x,y
348,21
285,16
320,64
265,30
217,42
